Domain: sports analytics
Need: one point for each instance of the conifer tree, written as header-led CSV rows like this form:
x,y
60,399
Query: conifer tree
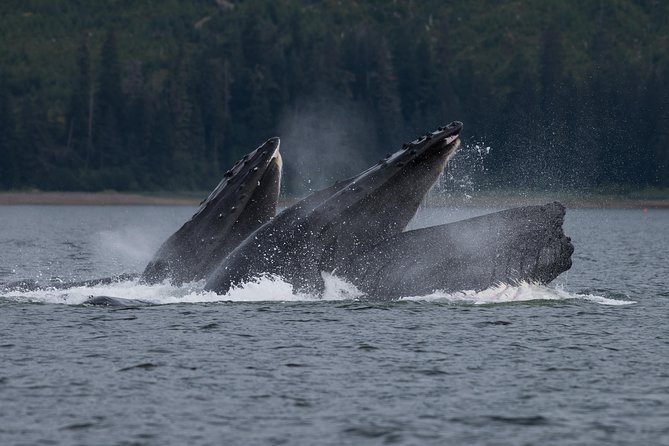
x,y
8,158
79,115
109,107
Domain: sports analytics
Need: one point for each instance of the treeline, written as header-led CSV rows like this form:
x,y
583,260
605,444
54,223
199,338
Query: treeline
x,y
157,95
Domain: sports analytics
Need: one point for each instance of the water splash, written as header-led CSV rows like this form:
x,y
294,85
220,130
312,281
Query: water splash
x,y
461,173
462,177
274,289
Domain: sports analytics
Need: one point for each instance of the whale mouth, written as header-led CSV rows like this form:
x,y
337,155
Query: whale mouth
x,y
276,157
444,138
450,139
450,133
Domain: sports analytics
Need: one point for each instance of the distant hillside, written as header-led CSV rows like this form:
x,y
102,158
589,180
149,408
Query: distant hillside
x,y
167,94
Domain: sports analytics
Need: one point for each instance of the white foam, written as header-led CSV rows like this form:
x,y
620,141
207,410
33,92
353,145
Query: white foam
x,y
337,288
274,289
263,289
523,292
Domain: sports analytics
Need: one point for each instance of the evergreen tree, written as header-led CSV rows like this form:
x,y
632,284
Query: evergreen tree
x,y
573,106
161,141
108,120
34,144
553,136
515,153
551,71
137,126
79,116
213,92
384,98
8,156
189,139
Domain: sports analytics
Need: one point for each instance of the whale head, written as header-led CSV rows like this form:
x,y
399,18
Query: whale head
x,y
383,199
244,200
248,191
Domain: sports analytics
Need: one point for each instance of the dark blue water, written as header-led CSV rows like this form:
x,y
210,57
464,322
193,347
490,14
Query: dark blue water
x,y
585,361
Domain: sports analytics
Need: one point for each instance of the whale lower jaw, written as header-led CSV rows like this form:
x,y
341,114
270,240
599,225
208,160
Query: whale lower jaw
x,y
525,244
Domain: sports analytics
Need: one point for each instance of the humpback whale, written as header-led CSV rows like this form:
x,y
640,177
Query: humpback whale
x,y
245,198
354,229
325,230
242,201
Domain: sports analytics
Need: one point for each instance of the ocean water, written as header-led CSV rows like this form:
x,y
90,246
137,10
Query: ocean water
x,y
582,361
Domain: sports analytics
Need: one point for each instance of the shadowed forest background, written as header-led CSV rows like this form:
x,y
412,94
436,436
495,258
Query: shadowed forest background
x,y
167,95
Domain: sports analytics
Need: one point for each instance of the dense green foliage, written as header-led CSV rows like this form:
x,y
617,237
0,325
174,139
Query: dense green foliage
x,y
167,94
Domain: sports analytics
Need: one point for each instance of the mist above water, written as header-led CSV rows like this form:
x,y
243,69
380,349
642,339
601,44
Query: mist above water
x,y
324,140
132,246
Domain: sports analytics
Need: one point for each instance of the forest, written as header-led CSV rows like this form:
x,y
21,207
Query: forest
x,y
152,95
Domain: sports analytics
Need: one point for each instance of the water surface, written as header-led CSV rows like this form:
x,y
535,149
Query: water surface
x,y
584,361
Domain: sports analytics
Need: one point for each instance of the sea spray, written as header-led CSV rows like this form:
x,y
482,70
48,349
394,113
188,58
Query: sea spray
x,y
274,289
463,176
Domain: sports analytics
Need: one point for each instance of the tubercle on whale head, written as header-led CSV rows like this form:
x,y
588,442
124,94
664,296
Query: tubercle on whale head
x,y
444,137
440,144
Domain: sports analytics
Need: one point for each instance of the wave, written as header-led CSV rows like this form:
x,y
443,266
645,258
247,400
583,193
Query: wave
x,y
274,289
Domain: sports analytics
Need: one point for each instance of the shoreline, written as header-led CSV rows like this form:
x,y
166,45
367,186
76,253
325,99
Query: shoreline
x,y
95,199
504,200
569,201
